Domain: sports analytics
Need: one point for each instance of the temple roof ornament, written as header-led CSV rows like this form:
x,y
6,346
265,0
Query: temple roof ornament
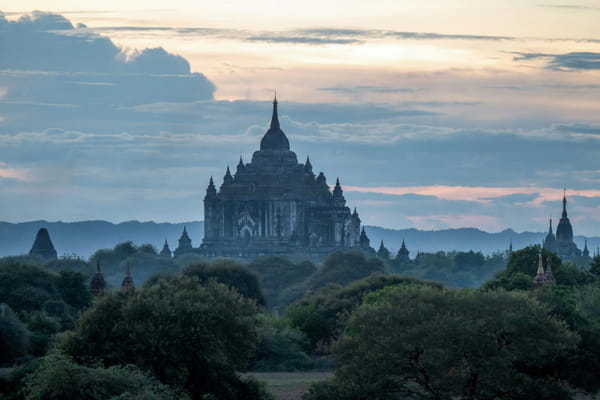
x,y
274,139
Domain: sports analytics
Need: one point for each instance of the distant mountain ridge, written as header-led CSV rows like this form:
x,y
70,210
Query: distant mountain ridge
x,y
85,237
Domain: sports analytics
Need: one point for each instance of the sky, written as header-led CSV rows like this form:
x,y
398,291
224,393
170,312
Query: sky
x,y
433,114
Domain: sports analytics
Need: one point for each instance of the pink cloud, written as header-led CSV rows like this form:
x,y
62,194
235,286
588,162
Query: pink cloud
x,y
479,194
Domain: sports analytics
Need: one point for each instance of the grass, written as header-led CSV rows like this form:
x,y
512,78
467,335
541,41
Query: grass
x,y
289,385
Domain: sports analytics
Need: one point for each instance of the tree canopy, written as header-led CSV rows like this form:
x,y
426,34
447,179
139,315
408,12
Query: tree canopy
x,y
449,344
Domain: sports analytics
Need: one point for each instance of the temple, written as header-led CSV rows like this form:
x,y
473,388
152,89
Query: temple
x,y
275,205
542,277
562,244
42,246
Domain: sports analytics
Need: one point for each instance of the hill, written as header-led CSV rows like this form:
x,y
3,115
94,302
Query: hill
x,y
85,237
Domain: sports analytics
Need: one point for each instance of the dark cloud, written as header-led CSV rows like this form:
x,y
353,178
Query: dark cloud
x,y
565,62
45,59
578,60
579,128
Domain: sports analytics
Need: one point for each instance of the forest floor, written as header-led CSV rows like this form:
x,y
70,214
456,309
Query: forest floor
x,y
289,385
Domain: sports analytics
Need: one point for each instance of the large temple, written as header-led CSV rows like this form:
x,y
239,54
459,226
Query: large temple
x,y
562,244
275,205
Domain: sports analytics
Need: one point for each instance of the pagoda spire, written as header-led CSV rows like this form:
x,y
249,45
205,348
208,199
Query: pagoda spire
x,y
275,117
550,229
564,210
540,270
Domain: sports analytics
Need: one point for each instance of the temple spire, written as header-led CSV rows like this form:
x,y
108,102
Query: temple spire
x,y
564,211
550,229
275,117
540,270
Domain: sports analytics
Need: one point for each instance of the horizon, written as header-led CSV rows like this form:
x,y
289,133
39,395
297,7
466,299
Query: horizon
x,y
508,229
434,116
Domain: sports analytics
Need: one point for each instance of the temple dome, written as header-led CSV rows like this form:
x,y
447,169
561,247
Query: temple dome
x,y
275,139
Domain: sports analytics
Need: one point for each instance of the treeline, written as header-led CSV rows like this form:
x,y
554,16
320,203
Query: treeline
x,y
192,327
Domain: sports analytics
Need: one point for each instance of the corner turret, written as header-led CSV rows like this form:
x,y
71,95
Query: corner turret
x,y
338,194
211,191
308,166
364,240
227,179
240,167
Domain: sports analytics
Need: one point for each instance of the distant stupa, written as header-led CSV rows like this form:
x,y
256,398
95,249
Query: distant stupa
x,y
42,246
127,285
98,285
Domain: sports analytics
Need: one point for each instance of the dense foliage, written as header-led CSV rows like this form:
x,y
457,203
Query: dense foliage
x,y
230,273
143,261
449,344
58,377
455,269
345,267
322,316
189,335
282,280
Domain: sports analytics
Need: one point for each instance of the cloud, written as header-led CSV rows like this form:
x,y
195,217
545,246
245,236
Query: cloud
x,y
579,129
370,89
45,59
480,194
569,7
300,39
565,62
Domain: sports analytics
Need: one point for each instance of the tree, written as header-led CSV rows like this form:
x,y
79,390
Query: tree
x,y
230,273
595,267
73,288
58,377
277,274
345,267
280,347
71,263
190,335
26,288
524,262
14,336
449,344
322,316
